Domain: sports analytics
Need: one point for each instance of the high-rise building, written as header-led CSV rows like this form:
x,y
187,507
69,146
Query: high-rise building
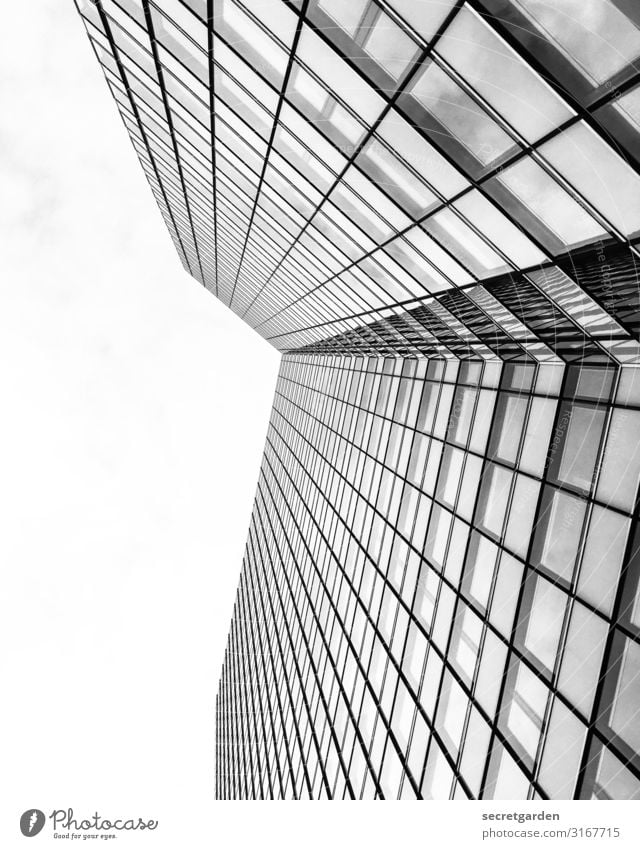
x,y
432,208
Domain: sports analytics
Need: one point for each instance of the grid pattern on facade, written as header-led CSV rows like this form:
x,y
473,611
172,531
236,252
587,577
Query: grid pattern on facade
x,y
316,161
431,602
535,316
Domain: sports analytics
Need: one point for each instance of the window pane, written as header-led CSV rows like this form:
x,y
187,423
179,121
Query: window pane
x,y
498,229
472,251
458,113
547,200
417,152
485,61
347,15
425,16
621,464
505,594
596,37
602,558
562,753
508,424
390,46
396,179
598,173
526,709
523,507
582,657
581,445
624,716
545,621
564,517
494,498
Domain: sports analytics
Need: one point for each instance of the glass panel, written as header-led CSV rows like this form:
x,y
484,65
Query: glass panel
x,y
495,227
547,200
582,657
545,620
602,558
564,518
526,711
472,251
562,753
536,442
252,42
599,174
508,427
390,46
624,716
425,16
458,113
396,179
523,506
494,498
621,463
347,15
579,451
616,781
483,59
322,109
344,82
629,107
417,152
594,35
505,594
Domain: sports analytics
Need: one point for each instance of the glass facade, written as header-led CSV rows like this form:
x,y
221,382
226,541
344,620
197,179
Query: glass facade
x,y
432,208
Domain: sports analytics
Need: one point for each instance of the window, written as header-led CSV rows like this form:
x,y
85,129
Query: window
x,y
521,514
559,532
582,657
598,173
368,36
549,203
425,17
494,497
395,178
470,249
525,710
457,114
562,753
581,427
594,35
486,62
544,622
602,559
621,466
508,426
416,151
624,713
